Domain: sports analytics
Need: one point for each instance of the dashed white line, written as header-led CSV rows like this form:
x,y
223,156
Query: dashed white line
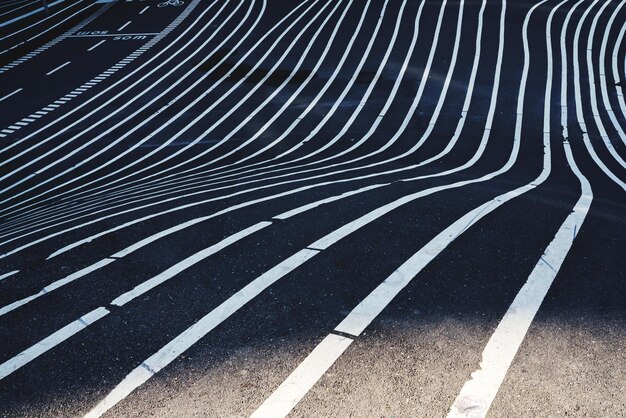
x,y
58,68
97,45
144,9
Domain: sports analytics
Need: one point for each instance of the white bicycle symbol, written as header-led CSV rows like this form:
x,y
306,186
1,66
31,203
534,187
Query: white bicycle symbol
x,y
170,3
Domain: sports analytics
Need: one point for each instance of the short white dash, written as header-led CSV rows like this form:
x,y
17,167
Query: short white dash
x,y
124,25
58,68
144,9
97,45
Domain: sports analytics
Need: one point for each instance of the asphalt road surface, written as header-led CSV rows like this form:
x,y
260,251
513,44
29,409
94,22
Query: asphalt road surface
x,y
367,208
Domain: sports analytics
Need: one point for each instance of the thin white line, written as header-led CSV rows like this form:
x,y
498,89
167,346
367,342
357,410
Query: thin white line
x,y
97,45
124,25
193,334
302,379
11,94
55,285
58,68
9,274
50,342
186,263
114,34
144,9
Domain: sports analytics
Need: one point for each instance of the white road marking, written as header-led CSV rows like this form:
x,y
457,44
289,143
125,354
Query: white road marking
x,y
97,45
11,94
9,274
124,25
58,68
55,285
186,263
302,379
144,9
50,342
193,334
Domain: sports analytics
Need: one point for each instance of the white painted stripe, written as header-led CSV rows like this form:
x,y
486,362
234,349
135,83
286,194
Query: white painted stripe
x,y
114,34
302,379
97,45
6,131
144,9
186,263
479,392
28,120
11,94
124,25
50,342
313,205
39,112
21,123
9,274
58,68
55,285
54,106
193,334
15,127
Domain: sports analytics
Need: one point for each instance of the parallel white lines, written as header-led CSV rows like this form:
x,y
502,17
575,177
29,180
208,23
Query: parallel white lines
x,y
84,87
186,263
11,94
50,342
331,79
478,393
369,308
96,45
141,50
188,57
202,115
602,74
579,106
58,68
193,334
593,95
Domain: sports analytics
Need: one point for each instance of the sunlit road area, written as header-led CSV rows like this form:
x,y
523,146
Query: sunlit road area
x,y
313,208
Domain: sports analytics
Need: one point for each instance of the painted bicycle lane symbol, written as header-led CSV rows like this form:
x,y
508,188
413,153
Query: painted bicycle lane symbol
x,y
171,3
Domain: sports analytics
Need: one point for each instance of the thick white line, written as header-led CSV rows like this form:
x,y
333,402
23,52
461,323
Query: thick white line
x,y
124,25
193,334
11,94
97,45
144,9
186,263
302,379
50,342
479,392
58,68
